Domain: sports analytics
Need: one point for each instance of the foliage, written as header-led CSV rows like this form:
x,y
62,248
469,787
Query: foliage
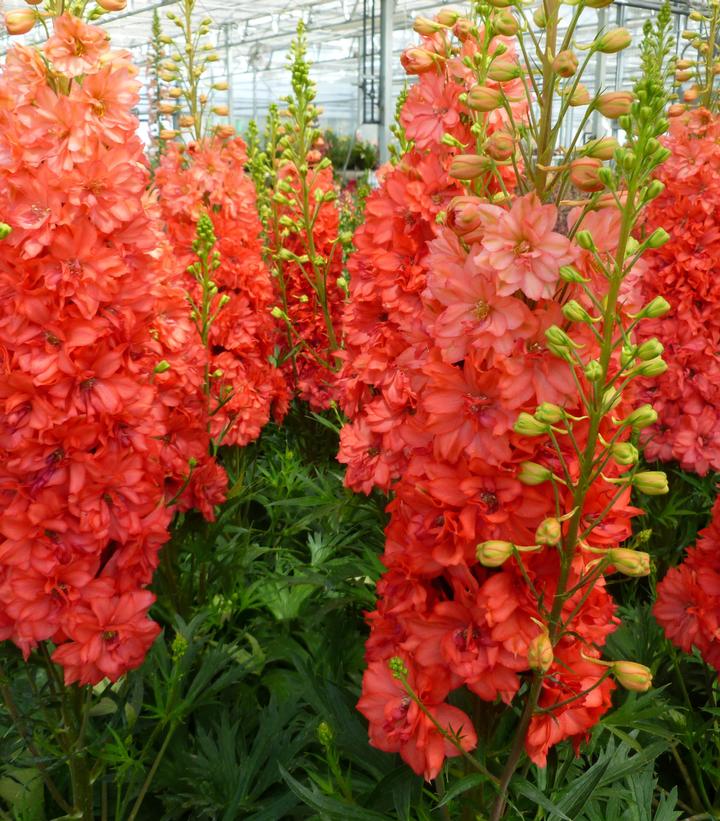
x,y
348,153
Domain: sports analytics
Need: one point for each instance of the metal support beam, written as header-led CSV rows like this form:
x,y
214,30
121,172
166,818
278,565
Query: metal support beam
x,y
387,9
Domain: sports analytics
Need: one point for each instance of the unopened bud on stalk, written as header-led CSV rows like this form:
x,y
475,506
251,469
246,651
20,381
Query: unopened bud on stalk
x,y
632,676
656,308
579,96
503,69
424,26
418,60
20,21
650,349
549,531
505,23
641,417
614,104
658,238
501,4
539,17
654,190
540,653
527,425
500,146
651,482
570,274
601,149
612,41
557,336
5,230
532,473
462,29
493,553
593,371
112,5
684,76
585,240
691,94
549,414
469,166
598,4
584,174
448,16
574,311
624,453
653,367
565,63
483,98
220,110
629,562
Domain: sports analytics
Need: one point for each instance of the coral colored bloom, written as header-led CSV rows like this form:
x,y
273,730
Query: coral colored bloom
x,y
524,250
75,48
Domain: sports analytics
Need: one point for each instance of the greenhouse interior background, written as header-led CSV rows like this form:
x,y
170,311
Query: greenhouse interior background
x,y
355,49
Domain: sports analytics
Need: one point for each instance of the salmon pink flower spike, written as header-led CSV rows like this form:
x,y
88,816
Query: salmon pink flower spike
x,y
102,373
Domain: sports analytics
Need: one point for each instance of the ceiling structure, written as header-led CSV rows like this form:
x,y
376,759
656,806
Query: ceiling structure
x,y
253,39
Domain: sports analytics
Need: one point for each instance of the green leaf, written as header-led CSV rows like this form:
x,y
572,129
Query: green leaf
x,y
531,792
335,808
466,783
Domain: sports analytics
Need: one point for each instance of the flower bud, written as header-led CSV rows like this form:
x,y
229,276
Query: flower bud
x,y
654,190
505,23
469,166
613,41
651,482
423,25
503,69
656,308
549,414
632,676
531,473
574,312
501,4
579,96
598,4
593,371
527,425
5,230
417,60
684,75
493,553
540,653
653,367
186,121
463,29
676,109
549,531
20,21
614,104
658,238
601,149
483,98
112,5
565,63
650,349
500,146
557,336
539,17
584,174
220,110
641,417
629,562
448,16
585,240
624,453
570,274
465,217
